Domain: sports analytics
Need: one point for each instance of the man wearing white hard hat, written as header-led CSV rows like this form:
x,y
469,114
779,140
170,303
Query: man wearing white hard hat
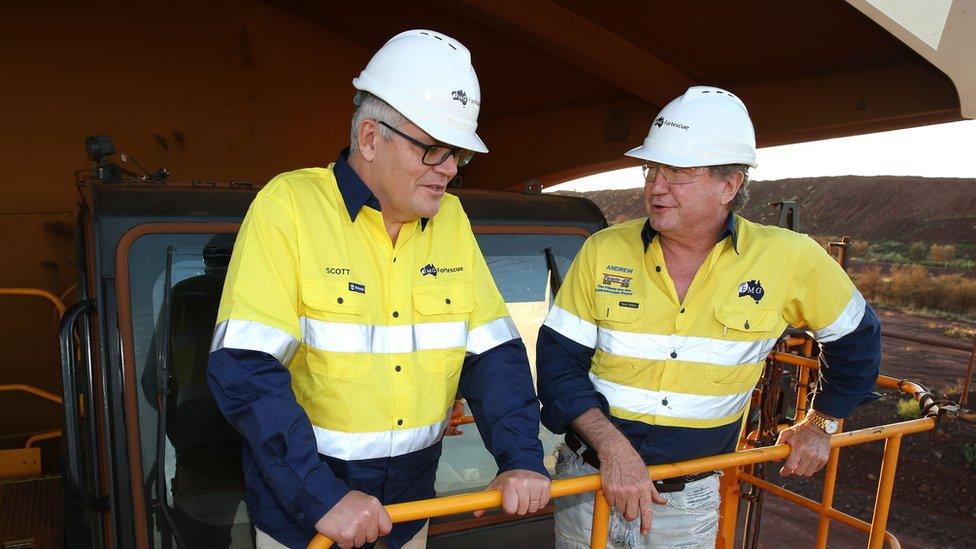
x,y
660,331
356,305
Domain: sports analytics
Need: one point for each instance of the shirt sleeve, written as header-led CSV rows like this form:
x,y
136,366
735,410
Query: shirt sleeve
x,y
826,302
257,334
565,348
496,379
498,387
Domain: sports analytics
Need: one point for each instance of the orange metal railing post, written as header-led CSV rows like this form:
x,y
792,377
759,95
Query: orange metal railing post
x,y
827,499
886,483
601,521
969,376
728,511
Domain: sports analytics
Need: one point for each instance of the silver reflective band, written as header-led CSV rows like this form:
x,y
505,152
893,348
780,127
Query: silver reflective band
x,y
349,446
491,335
687,348
572,326
254,336
677,405
339,337
848,320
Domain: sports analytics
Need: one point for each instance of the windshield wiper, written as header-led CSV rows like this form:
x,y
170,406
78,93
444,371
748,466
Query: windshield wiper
x,y
162,390
555,279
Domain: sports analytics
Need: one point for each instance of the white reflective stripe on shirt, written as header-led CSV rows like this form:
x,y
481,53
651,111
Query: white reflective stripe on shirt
x,y
491,335
339,337
846,323
679,405
686,348
569,325
253,336
350,446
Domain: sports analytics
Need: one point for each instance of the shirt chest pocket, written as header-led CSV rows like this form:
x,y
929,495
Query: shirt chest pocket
x,y
744,322
332,301
440,332
617,309
742,337
336,337
443,302
618,322
441,326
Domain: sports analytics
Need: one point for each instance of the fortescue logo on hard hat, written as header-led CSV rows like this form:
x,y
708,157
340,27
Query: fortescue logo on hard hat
x,y
662,122
459,95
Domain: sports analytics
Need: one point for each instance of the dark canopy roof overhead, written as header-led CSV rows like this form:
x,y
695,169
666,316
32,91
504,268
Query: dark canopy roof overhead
x,y
569,85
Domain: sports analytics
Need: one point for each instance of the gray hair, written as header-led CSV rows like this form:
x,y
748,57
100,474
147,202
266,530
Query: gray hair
x,y
370,107
725,171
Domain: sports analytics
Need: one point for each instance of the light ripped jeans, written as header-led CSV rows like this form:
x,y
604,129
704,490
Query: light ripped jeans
x,y
689,519
419,541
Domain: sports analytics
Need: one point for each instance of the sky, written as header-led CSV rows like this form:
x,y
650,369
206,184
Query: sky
x,y
941,150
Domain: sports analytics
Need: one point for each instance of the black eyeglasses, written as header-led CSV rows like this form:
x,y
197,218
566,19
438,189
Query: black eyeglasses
x,y
435,155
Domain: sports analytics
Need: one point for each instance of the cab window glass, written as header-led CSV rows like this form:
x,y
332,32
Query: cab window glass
x,y
200,454
519,267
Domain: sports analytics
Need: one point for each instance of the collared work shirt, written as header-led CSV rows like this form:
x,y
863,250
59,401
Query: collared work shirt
x,y
377,339
675,376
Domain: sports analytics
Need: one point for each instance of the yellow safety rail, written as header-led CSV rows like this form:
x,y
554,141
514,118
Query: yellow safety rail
x,y
20,387
55,300
732,464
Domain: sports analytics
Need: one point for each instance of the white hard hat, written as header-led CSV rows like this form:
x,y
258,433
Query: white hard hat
x,y
706,126
428,78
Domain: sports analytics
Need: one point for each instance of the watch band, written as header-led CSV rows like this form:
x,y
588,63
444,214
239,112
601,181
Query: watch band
x,y
828,426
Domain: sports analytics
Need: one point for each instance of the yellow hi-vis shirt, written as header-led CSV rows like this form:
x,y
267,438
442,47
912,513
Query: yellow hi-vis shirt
x,y
693,363
374,334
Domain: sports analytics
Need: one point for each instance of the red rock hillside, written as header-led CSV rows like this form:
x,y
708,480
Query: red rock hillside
x,y
906,209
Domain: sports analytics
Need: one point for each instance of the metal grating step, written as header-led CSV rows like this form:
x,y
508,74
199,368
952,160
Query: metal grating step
x,y
31,513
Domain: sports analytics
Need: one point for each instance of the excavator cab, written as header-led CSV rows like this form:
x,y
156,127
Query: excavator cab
x,y
167,471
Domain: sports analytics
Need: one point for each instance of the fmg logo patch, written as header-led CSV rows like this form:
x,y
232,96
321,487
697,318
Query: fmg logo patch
x,y
753,289
428,269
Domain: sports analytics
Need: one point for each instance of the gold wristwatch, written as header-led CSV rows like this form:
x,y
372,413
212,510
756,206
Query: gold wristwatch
x,y
826,425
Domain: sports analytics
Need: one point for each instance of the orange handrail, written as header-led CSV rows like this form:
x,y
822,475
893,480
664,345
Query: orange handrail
x,y
42,436
37,292
20,387
450,505
731,462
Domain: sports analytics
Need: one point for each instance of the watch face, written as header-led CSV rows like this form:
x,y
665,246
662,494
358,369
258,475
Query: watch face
x,y
830,426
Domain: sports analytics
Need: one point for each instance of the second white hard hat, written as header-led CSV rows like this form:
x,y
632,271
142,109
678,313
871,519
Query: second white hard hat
x,y
706,126
428,77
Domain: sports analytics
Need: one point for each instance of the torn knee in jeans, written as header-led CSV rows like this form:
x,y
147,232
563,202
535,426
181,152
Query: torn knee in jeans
x,y
623,533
